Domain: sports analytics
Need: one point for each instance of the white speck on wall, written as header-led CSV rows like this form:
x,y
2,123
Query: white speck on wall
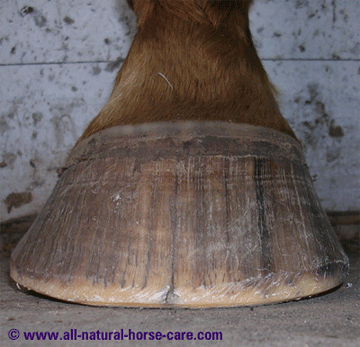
x,y
58,61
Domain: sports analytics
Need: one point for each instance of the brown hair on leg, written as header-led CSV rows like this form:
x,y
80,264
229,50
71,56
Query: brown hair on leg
x,y
191,60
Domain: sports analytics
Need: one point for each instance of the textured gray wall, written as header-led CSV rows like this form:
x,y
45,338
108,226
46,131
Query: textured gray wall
x,y
58,60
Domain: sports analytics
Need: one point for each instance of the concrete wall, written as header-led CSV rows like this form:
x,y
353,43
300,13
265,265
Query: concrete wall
x,y
58,60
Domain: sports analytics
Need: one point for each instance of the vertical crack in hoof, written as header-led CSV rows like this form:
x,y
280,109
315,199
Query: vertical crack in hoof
x,y
171,297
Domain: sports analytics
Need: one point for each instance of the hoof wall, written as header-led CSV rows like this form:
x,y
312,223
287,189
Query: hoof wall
x,y
182,214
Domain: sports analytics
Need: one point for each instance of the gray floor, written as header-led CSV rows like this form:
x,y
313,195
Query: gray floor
x,y
327,320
